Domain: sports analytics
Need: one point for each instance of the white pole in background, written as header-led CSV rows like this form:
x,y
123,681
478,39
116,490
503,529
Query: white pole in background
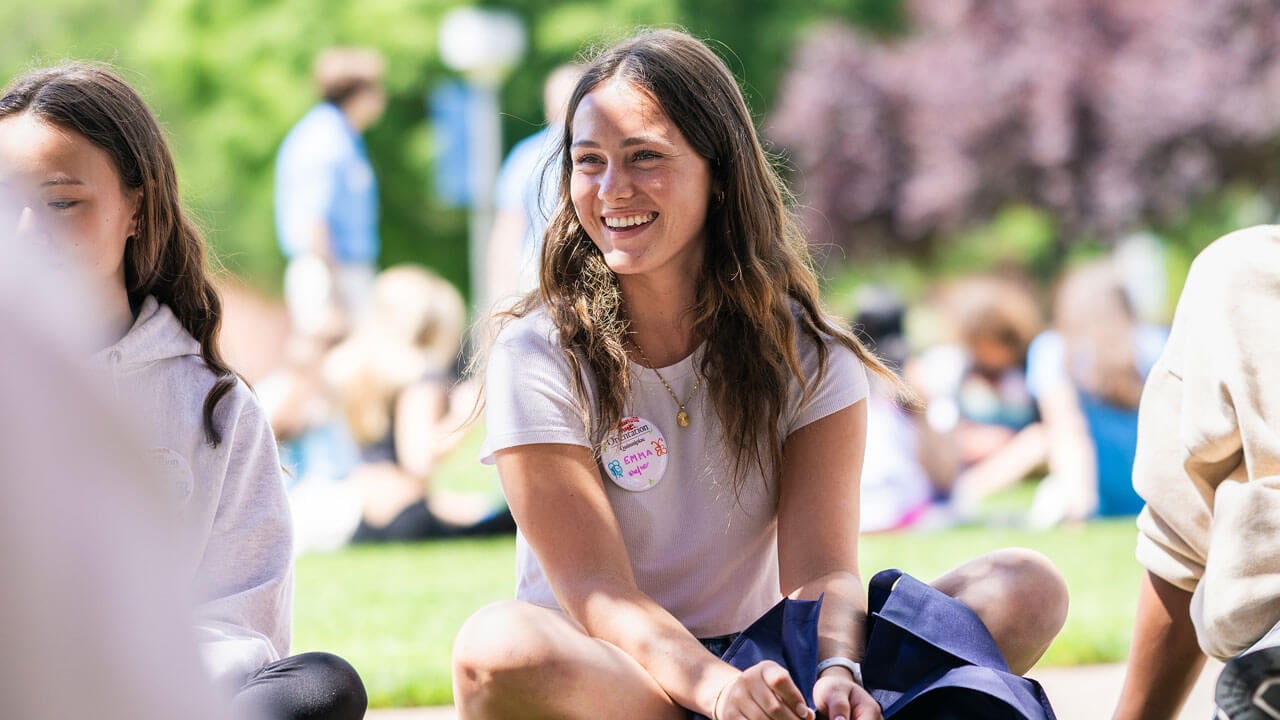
x,y
483,45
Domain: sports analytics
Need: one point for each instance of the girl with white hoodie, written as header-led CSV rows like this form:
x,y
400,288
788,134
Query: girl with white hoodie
x,y
86,177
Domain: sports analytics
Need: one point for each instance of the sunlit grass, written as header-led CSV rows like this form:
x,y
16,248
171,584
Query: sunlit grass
x,y
393,610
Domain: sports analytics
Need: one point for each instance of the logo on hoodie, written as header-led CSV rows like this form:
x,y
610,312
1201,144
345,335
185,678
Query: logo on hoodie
x,y
174,472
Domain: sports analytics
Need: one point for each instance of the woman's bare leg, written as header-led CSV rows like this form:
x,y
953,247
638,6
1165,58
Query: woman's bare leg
x,y
1020,596
516,660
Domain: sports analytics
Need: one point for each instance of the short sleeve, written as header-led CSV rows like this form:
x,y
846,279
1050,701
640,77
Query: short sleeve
x,y
529,395
843,384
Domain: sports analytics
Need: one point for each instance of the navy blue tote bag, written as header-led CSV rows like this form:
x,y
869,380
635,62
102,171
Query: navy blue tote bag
x,y
788,635
927,655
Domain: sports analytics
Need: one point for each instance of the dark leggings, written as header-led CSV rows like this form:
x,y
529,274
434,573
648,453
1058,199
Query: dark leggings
x,y
417,522
310,686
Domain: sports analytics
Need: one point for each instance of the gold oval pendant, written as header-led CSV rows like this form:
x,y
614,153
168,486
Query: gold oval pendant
x,y
682,419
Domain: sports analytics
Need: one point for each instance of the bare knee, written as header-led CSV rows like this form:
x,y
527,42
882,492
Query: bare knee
x,y
499,655
1020,596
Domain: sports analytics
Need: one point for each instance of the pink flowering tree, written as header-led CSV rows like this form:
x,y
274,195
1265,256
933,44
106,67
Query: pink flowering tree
x,y
1106,114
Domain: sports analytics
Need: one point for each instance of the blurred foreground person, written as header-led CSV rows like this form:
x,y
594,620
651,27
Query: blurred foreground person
x,y
96,609
1208,467
95,193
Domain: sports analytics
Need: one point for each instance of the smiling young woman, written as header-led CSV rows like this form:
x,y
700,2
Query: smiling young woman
x,y
641,192
678,426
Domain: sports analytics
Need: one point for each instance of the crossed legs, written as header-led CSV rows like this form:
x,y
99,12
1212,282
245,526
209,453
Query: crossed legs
x,y
517,660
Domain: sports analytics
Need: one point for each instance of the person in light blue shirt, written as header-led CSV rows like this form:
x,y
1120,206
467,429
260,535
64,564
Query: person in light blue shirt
x,y
1087,376
326,195
526,191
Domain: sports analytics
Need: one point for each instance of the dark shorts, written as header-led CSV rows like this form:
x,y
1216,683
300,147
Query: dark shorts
x,y
718,645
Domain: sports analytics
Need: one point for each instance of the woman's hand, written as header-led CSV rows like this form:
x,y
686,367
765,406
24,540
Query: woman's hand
x,y
763,691
838,697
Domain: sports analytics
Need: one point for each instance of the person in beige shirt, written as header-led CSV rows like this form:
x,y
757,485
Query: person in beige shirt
x,y
1208,467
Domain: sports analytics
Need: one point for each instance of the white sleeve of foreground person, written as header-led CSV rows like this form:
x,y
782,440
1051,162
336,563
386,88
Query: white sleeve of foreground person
x,y
1208,458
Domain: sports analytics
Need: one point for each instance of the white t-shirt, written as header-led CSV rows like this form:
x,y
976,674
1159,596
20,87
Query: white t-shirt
x,y
707,556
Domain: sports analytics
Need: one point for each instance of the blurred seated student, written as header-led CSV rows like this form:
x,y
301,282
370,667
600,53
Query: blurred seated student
x,y
316,447
395,378
381,411
1086,374
978,408
94,185
896,492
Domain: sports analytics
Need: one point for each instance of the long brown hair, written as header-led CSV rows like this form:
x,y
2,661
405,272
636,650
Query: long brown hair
x,y
165,257
756,286
410,332
1097,324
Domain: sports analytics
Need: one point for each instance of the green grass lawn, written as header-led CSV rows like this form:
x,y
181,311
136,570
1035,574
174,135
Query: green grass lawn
x,y
393,610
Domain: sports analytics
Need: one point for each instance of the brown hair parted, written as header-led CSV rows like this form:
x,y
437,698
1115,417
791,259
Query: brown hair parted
x,y
342,72
166,255
756,287
1093,315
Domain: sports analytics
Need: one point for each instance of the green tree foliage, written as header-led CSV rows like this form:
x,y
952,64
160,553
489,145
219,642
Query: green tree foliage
x,y
228,78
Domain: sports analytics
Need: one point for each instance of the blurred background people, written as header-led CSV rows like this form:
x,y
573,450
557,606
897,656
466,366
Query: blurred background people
x,y
366,422
527,188
1086,374
895,491
980,415
326,196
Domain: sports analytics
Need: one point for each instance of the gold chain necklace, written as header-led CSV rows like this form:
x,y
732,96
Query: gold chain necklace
x,y
682,417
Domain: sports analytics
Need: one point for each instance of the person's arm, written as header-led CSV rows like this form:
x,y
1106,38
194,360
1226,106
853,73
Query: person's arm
x,y
421,439
586,562
1072,457
306,192
936,422
318,240
505,254
1020,456
244,583
1164,659
818,547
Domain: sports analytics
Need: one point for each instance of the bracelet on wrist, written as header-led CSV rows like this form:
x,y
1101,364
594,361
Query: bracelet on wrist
x,y
715,704
853,667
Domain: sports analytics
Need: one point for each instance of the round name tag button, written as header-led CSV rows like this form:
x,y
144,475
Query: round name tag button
x,y
635,455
